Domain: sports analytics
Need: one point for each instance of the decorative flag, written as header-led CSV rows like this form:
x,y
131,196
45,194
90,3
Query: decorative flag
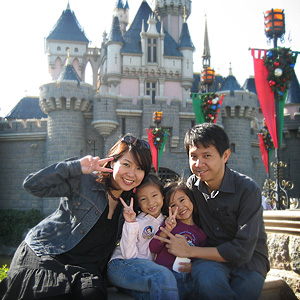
x,y
264,153
207,107
153,149
157,138
274,70
265,94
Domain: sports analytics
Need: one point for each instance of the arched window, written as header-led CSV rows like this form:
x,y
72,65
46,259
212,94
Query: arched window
x,y
166,175
76,50
58,48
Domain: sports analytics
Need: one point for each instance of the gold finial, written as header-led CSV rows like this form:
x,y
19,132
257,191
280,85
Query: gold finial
x,y
68,58
184,15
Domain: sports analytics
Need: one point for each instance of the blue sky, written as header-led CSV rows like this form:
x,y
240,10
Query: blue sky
x,y
233,27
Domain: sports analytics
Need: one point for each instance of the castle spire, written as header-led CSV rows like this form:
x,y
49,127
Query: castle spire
x,y
68,6
230,70
206,51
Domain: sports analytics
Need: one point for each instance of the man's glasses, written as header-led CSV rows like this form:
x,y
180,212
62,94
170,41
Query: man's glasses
x,y
131,140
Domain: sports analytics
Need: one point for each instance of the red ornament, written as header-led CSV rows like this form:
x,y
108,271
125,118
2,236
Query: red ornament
x,y
276,63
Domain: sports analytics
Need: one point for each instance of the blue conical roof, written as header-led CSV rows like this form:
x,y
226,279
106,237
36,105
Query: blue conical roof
x,y
115,33
250,85
293,96
185,40
68,28
69,73
231,84
132,36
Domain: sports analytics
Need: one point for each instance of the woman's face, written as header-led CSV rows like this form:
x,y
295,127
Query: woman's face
x,y
127,174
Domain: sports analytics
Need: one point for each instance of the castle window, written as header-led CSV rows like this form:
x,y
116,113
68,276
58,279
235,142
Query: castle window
x,y
232,148
151,90
123,129
152,50
193,123
76,49
58,48
67,48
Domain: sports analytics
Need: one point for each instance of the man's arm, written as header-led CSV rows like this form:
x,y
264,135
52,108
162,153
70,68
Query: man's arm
x,y
178,246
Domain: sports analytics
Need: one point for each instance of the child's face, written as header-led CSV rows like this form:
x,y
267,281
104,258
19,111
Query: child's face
x,y
185,207
150,199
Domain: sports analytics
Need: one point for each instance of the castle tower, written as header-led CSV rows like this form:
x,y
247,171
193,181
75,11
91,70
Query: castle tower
x,y
67,34
122,12
171,13
105,105
187,48
239,108
66,102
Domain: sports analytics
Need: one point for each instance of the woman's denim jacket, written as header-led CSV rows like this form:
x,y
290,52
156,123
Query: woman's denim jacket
x,y
82,203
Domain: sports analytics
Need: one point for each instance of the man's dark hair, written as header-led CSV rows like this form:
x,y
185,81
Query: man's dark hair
x,y
207,134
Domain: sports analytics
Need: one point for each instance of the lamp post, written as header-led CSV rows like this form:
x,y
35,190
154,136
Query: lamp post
x,y
277,190
207,77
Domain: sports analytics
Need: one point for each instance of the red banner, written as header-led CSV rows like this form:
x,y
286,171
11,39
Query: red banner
x,y
152,148
265,94
264,152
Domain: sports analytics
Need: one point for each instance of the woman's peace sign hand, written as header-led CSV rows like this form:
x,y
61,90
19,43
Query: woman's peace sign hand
x,y
171,219
91,164
128,212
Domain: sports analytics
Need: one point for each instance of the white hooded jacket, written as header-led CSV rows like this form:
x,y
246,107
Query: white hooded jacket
x,y
136,237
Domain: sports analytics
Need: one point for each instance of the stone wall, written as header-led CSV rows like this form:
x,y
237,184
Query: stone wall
x,y
283,230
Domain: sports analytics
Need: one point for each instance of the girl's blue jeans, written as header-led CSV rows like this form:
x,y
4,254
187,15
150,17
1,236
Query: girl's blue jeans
x,y
215,280
143,279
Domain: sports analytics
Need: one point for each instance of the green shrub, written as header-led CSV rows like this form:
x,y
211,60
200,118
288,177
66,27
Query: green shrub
x,y
3,272
15,223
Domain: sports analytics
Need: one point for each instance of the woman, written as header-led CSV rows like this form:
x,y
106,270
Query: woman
x,y
65,255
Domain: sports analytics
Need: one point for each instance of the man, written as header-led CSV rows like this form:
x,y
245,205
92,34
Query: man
x,y
234,263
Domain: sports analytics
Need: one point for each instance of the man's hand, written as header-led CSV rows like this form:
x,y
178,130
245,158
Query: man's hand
x,y
176,244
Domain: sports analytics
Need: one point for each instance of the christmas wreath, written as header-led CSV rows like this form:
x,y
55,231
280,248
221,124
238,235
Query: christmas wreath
x,y
265,134
280,64
210,106
158,136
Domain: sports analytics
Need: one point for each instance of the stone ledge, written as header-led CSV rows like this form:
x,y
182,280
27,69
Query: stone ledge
x,y
271,289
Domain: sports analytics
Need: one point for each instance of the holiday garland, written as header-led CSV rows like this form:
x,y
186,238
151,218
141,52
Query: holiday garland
x,y
158,137
280,64
268,142
210,104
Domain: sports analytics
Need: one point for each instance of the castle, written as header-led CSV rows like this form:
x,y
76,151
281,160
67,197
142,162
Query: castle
x,y
139,69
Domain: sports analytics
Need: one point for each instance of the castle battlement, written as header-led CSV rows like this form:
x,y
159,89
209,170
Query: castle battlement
x,y
23,126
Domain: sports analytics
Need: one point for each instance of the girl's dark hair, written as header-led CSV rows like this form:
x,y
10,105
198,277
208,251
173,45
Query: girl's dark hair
x,y
151,179
172,187
207,134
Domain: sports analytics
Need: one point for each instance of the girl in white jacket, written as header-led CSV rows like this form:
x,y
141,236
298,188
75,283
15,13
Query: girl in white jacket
x,y
131,267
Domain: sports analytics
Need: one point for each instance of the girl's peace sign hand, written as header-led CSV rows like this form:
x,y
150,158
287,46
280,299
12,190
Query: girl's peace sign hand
x,y
171,219
128,212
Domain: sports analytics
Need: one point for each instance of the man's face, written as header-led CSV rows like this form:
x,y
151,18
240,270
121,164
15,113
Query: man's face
x,y
207,164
